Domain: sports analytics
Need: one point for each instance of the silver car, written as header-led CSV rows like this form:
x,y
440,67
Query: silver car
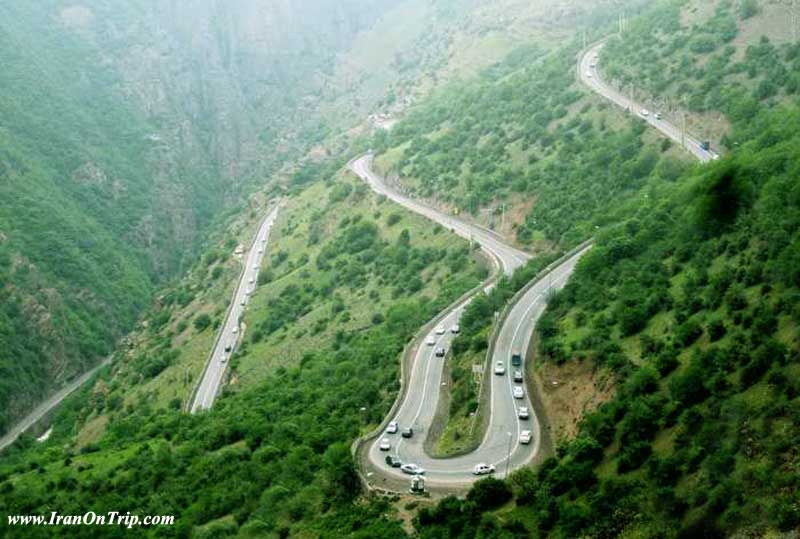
x,y
412,469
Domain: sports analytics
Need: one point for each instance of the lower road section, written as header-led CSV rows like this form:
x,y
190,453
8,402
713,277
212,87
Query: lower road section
x,y
510,441
40,411
228,336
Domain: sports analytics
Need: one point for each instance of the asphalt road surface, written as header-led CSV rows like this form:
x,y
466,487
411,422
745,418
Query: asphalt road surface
x,y
40,411
229,333
510,258
589,75
501,445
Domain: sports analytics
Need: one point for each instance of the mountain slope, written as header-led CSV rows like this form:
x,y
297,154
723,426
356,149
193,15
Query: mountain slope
x,y
128,132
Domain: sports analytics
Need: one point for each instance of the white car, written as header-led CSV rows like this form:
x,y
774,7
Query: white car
x,y
224,358
483,469
523,412
252,280
385,445
589,74
518,393
525,437
412,469
500,368
392,428
256,267
455,329
260,251
645,113
431,340
244,302
440,330
658,115
235,331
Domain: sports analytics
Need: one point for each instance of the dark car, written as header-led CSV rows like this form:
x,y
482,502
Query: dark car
x,y
516,359
440,352
408,432
393,461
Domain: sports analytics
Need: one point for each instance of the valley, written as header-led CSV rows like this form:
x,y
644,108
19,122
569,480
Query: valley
x,y
374,269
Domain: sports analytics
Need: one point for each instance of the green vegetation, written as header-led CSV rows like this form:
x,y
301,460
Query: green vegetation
x,y
689,301
339,261
525,130
463,432
692,303
273,457
73,276
700,66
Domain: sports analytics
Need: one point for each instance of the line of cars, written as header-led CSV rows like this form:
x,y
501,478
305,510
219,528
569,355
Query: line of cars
x,y
441,351
517,391
393,461
250,289
482,468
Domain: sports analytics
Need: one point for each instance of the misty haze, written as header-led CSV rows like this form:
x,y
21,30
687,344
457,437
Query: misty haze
x,y
395,269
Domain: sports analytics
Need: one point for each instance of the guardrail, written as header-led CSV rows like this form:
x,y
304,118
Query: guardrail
x,y
193,394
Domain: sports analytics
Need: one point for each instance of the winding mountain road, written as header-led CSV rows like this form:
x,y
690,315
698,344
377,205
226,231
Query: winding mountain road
x,y
228,336
501,446
590,76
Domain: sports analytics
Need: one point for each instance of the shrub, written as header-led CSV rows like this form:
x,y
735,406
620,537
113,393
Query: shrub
x,y
202,322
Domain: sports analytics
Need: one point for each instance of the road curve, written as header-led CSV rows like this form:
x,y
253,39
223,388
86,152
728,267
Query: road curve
x,y
501,446
43,408
590,76
510,257
228,336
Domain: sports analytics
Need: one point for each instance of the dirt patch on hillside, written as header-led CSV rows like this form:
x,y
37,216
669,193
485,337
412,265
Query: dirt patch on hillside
x,y
569,392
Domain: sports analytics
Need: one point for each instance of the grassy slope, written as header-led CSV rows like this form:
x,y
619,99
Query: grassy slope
x,y
328,305
690,303
130,420
708,59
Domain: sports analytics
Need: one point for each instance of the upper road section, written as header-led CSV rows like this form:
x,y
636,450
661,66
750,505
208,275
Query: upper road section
x,y
510,257
590,76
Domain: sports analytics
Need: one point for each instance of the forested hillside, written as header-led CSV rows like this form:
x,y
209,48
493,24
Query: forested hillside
x,y
144,126
718,62
129,131
692,303
350,279
687,305
529,146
